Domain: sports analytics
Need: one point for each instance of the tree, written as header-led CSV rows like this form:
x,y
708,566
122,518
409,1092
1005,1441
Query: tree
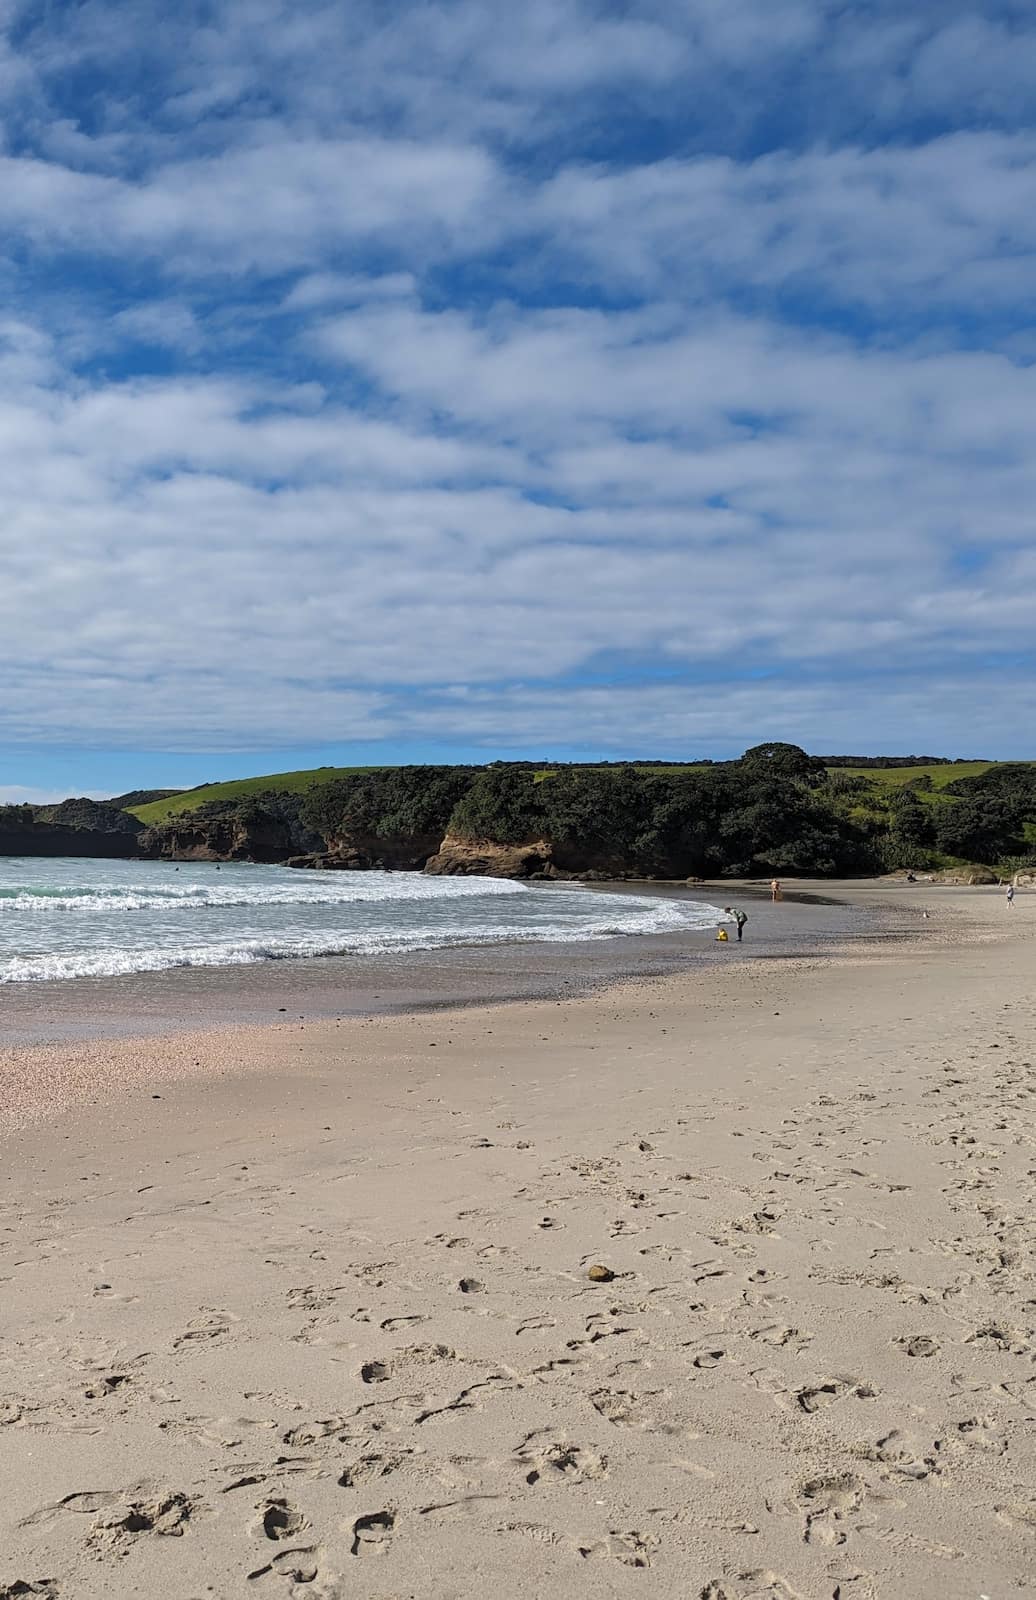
x,y
786,761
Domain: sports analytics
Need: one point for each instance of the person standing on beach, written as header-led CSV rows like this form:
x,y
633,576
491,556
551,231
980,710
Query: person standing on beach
x,y
1010,896
775,890
740,917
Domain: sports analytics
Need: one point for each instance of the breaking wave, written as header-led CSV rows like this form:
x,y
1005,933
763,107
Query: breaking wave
x,y
89,919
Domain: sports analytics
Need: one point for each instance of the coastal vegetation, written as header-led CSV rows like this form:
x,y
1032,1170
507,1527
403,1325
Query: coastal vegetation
x,y
774,810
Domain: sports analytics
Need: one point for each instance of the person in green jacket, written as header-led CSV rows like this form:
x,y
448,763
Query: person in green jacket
x,y
740,917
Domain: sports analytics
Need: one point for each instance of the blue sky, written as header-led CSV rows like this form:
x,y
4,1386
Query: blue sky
x,y
446,381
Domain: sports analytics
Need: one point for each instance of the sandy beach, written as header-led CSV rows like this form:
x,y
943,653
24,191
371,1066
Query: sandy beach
x,y
304,1309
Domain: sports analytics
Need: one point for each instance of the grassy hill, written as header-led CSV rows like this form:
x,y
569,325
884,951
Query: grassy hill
x,y
283,782
884,778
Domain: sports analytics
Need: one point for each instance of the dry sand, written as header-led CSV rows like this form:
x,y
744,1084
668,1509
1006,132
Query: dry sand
x,y
316,1322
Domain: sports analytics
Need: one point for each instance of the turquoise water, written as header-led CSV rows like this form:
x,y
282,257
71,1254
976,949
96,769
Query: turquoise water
x,y
69,918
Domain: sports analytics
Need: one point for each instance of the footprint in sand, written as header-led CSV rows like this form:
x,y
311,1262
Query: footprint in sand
x,y
376,1464
763,1585
281,1520
898,1452
562,1463
372,1533
993,1335
981,1433
123,1514
298,1566
919,1345
416,1355
857,1586
825,1394
1018,1514
709,1358
213,1326
619,1407
103,1387
313,1298
780,1336
631,1549
211,1431
532,1530
308,1433
166,1515
767,1585
254,1473
826,1503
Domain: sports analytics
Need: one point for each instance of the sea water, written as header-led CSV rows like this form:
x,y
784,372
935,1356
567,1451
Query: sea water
x,y
76,918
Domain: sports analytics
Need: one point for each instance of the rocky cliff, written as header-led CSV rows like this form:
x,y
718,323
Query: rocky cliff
x,y
50,839
364,853
481,857
453,857
230,838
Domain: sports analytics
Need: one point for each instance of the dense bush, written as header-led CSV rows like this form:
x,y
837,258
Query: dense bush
x,y
770,811
270,809
97,815
894,761
390,802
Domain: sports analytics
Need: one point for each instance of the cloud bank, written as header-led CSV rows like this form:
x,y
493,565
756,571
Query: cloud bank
x,y
628,381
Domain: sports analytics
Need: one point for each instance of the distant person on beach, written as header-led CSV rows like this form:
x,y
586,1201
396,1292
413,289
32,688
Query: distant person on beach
x,y
1010,896
740,917
775,890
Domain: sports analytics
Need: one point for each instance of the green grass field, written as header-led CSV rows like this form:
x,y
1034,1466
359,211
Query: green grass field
x,y
896,777
285,782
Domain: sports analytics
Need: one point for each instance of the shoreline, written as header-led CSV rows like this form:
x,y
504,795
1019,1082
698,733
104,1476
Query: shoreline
x,y
333,1278
150,1004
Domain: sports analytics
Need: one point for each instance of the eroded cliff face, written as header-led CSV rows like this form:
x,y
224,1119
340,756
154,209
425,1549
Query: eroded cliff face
x,y
369,854
218,839
229,839
453,857
393,853
483,858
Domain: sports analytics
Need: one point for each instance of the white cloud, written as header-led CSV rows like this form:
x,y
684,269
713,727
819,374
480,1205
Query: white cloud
x,y
884,228
220,567
364,380
320,289
270,205
15,794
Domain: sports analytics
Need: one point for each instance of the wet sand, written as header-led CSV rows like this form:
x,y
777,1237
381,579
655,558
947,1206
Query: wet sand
x,y
305,1311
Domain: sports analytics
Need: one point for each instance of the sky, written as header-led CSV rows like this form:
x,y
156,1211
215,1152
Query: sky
x,y
449,381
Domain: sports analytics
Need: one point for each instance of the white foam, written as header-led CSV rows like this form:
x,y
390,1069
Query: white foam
x,y
622,916
82,919
301,889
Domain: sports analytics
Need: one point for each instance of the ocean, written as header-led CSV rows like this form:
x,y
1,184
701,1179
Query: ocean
x,y
79,918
